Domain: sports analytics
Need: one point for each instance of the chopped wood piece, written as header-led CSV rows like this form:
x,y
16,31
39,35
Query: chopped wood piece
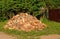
x,y
25,22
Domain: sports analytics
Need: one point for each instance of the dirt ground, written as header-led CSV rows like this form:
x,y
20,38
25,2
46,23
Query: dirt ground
x,y
6,36
53,36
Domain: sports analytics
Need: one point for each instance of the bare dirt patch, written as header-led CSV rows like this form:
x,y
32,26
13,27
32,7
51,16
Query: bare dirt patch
x,y
54,36
6,36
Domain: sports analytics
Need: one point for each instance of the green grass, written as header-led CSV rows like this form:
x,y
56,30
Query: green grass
x,y
52,28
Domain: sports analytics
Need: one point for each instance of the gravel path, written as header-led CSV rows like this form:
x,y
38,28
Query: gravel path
x,y
6,36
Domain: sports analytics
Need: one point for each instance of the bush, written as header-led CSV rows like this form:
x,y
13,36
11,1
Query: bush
x,y
30,6
21,6
2,19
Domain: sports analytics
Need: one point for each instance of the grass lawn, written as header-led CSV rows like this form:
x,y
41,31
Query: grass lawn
x,y
52,28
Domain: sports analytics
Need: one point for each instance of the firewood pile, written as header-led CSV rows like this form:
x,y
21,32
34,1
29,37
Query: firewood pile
x,y
24,22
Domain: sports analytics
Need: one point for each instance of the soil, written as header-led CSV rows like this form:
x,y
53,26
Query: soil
x,y
53,36
6,36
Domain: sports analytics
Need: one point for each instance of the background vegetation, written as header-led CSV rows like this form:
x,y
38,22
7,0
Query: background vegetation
x,y
9,8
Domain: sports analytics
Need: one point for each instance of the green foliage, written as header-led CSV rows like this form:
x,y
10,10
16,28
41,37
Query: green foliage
x,y
21,5
2,19
55,4
9,6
